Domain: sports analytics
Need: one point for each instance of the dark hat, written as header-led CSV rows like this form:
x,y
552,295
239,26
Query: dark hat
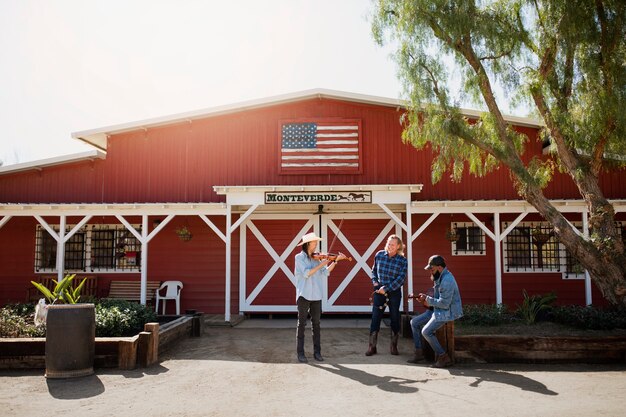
x,y
435,260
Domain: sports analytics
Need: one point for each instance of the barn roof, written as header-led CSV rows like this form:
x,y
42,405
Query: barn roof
x,y
98,137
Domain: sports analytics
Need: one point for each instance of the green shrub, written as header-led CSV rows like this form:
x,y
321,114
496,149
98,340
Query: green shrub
x,y
589,318
534,305
121,318
114,318
15,324
486,315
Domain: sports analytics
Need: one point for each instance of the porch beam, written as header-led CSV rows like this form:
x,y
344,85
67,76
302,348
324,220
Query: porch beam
x,y
160,227
588,294
498,252
393,216
243,217
512,225
144,258
46,226
229,232
76,228
482,225
61,249
409,254
130,228
4,220
424,226
213,227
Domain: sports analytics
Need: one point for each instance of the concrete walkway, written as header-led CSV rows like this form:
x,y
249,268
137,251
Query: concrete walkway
x,y
252,371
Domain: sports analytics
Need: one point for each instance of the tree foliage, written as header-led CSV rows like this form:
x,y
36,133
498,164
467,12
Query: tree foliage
x,y
564,58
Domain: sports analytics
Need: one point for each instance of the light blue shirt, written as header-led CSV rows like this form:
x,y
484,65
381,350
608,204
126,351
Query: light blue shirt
x,y
447,299
309,287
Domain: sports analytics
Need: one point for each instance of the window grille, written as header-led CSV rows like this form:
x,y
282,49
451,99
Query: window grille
x,y
94,248
531,247
470,239
46,250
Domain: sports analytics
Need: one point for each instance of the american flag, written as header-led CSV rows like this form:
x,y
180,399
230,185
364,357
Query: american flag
x,y
320,145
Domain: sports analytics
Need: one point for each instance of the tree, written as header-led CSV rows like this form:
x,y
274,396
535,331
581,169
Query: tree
x,y
564,58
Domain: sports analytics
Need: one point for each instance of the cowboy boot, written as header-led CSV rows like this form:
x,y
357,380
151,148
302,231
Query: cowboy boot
x,y
393,348
418,356
443,361
371,349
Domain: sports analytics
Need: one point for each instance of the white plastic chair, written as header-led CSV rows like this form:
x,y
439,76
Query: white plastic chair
x,y
172,293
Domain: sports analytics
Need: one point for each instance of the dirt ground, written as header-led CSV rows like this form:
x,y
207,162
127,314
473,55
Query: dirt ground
x,y
254,372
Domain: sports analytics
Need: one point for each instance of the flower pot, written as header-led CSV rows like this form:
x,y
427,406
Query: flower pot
x,y
70,340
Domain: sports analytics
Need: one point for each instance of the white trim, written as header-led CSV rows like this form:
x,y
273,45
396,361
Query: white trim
x,y
502,206
4,221
98,137
424,225
103,209
242,218
76,228
213,227
255,189
89,155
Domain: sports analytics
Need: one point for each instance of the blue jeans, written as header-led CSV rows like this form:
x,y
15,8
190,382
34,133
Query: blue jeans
x,y
425,325
395,297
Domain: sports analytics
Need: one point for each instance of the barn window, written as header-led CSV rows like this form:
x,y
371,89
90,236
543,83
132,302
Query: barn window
x,y
46,251
470,239
573,268
531,247
94,248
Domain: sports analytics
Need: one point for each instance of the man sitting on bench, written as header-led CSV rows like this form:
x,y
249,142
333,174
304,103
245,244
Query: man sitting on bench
x,y
446,303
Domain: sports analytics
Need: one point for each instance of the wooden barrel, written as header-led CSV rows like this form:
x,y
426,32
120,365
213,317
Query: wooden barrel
x,y
70,340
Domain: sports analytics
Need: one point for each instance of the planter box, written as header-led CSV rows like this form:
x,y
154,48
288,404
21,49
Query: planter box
x,y
502,348
110,352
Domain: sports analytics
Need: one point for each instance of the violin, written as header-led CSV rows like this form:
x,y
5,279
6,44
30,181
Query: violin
x,y
330,256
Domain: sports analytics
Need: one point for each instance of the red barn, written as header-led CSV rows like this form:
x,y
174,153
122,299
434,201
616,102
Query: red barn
x,y
219,198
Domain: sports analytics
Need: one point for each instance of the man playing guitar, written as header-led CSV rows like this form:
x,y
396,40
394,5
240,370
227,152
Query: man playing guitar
x,y
443,305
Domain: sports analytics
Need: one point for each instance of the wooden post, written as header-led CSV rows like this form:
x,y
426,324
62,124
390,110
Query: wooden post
x,y
127,353
148,348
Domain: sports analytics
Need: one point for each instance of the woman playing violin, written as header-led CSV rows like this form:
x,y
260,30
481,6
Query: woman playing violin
x,y
311,269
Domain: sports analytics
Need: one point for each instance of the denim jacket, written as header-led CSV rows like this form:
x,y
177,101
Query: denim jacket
x,y
446,299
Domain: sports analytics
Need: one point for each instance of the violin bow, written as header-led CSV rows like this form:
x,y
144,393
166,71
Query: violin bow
x,y
335,238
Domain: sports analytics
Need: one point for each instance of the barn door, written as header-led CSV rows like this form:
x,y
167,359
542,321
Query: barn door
x,y
268,246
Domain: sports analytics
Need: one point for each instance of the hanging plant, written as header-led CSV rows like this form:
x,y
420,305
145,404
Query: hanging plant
x,y
184,234
539,236
451,234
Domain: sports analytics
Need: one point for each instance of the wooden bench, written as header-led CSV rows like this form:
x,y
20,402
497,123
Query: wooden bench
x,y
90,289
131,290
445,335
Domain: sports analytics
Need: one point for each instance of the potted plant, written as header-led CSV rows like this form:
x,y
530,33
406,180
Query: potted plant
x,y
184,234
70,330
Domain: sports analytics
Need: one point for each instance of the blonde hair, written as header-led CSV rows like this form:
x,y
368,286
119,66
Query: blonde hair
x,y
399,242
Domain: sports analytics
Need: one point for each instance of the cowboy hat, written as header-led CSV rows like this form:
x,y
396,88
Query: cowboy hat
x,y
309,237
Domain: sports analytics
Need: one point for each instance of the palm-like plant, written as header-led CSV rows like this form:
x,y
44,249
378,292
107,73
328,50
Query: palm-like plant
x,y
62,291
533,305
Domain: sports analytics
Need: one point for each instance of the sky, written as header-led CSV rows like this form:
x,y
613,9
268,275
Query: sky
x,y
74,65
68,66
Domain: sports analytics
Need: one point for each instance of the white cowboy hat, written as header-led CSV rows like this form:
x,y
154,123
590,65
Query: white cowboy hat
x,y
309,237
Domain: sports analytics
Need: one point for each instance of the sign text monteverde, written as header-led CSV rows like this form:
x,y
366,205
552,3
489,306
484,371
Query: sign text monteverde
x,y
318,197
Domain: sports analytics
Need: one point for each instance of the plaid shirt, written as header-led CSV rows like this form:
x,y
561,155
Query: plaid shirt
x,y
389,272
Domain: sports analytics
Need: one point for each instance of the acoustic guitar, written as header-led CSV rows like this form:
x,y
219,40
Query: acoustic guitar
x,y
430,293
